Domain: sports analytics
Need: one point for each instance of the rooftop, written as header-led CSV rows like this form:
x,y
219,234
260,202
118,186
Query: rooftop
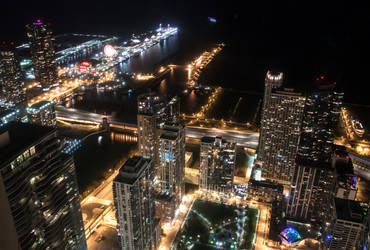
x,y
349,210
345,175
22,136
41,105
208,139
287,91
7,112
266,184
131,169
170,132
305,162
168,136
150,103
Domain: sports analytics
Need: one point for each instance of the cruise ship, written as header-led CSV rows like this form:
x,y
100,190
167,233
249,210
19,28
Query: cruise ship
x,y
358,128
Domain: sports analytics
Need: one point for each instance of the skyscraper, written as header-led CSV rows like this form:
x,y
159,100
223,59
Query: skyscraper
x,y
134,203
171,112
11,78
280,133
38,190
312,185
217,163
172,165
350,223
272,81
149,105
43,54
153,112
320,120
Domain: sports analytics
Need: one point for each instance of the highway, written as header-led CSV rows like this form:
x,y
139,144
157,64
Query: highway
x,y
242,138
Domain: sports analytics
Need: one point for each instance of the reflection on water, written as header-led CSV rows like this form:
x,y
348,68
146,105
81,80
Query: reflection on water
x,y
151,58
162,86
122,137
98,154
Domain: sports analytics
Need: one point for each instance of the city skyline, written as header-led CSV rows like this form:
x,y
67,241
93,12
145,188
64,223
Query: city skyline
x,y
183,134
313,42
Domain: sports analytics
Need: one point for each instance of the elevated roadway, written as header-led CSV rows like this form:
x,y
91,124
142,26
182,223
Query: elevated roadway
x,y
242,138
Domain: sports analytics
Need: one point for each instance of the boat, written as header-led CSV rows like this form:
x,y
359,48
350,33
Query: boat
x,y
358,128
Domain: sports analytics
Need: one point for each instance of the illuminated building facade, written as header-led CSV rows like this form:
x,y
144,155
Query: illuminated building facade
x,y
280,133
171,112
153,112
39,197
320,120
217,163
346,185
272,81
265,191
172,163
313,181
349,225
43,54
135,206
11,78
42,113
149,106
311,192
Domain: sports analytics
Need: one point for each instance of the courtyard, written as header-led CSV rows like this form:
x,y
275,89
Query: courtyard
x,y
211,225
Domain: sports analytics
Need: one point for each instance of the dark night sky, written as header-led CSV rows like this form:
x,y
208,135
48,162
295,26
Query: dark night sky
x,y
303,38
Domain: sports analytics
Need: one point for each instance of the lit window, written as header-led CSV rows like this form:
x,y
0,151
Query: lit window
x,y
32,150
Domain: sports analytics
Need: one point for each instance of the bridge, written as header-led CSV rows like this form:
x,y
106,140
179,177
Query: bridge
x,y
242,138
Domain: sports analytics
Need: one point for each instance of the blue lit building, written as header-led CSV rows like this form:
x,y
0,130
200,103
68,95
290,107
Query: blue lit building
x,y
42,113
290,236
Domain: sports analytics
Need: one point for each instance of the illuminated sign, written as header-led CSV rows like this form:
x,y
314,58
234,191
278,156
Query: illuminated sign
x,y
84,66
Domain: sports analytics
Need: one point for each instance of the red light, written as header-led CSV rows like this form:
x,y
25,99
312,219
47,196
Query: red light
x,y
334,83
38,20
317,78
322,77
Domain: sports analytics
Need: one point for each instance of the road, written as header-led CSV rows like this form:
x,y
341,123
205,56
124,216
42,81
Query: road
x,y
242,138
170,229
95,207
